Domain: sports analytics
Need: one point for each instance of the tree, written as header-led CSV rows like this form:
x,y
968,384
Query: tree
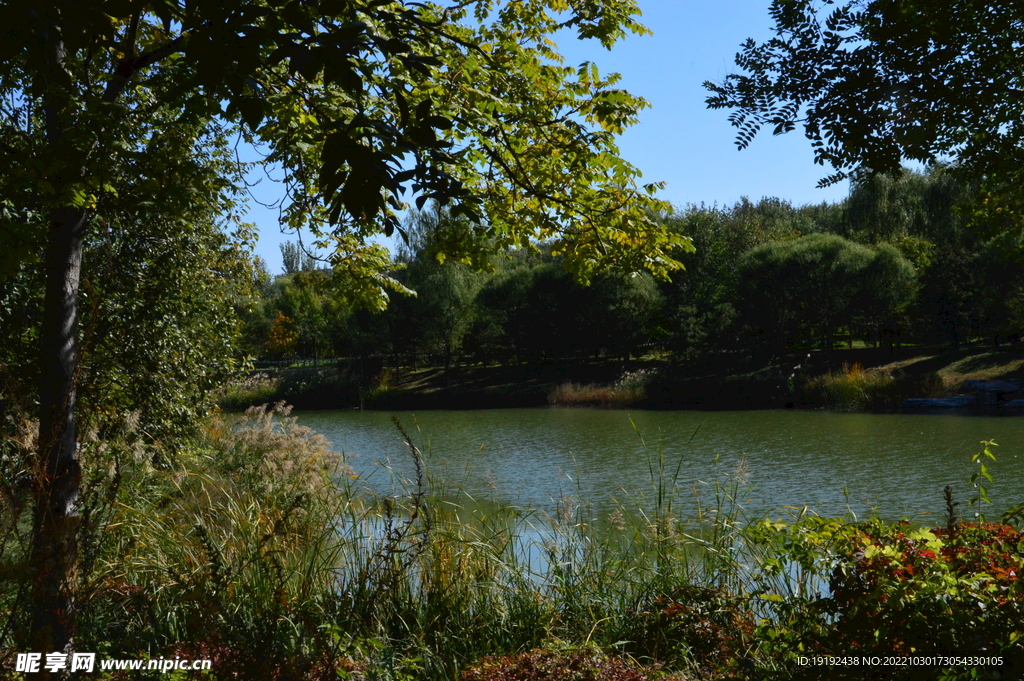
x,y
966,264
442,312
282,339
701,303
446,296
504,313
620,313
296,259
875,83
889,286
359,100
301,300
804,288
160,278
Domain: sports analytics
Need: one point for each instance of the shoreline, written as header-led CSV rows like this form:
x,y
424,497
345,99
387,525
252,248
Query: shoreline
x,y
866,380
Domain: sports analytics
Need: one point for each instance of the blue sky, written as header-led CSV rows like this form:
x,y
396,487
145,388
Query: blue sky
x,y
678,140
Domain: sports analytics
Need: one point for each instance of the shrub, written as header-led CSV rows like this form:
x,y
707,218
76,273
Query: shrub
x,y
692,625
581,664
918,590
878,589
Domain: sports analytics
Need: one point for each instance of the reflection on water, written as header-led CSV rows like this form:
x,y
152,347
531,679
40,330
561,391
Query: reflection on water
x,y
533,458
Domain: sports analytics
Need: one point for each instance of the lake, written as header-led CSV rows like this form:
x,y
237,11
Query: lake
x,y
892,464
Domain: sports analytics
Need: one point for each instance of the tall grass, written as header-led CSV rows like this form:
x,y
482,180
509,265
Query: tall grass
x,y
850,389
445,581
243,392
231,547
308,386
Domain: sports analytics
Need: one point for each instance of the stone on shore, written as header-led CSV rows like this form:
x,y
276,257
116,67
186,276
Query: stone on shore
x,y
939,402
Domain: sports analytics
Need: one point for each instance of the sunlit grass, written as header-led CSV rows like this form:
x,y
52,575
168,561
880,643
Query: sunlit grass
x,y
630,389
242,393
855,389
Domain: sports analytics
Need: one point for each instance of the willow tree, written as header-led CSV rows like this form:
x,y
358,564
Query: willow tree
x,y
802,289
360,101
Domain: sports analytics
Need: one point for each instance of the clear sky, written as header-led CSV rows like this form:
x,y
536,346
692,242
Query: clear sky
x,y
678,140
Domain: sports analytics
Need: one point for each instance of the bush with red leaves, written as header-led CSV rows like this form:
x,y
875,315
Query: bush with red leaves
x,y
701,625
902,591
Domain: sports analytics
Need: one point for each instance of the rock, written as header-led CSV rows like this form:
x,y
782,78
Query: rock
x,y
939,402
1009,386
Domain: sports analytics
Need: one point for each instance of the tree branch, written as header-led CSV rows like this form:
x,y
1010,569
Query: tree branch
x,y
130,35
127,68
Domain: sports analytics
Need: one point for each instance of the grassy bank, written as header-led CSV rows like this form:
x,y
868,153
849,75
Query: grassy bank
x,y
458,387
885,385
859,379
256,548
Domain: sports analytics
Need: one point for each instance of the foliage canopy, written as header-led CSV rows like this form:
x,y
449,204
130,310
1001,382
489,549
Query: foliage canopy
x,y
878,82
360,101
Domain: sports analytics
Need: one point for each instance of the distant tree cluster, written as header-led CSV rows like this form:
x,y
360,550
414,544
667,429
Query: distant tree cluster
x,y
524,307
900,261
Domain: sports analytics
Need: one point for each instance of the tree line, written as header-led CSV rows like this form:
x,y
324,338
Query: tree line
x,y
897,262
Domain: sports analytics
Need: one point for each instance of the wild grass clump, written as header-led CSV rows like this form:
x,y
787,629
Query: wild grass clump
x,y
268,452
242,393
229,548
855,389
630,389
577,394
850,389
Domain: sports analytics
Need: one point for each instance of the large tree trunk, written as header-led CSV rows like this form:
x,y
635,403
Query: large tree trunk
x,y
54,554
55,523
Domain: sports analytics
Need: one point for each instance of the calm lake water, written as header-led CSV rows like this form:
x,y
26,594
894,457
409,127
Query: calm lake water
x,y
896,465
